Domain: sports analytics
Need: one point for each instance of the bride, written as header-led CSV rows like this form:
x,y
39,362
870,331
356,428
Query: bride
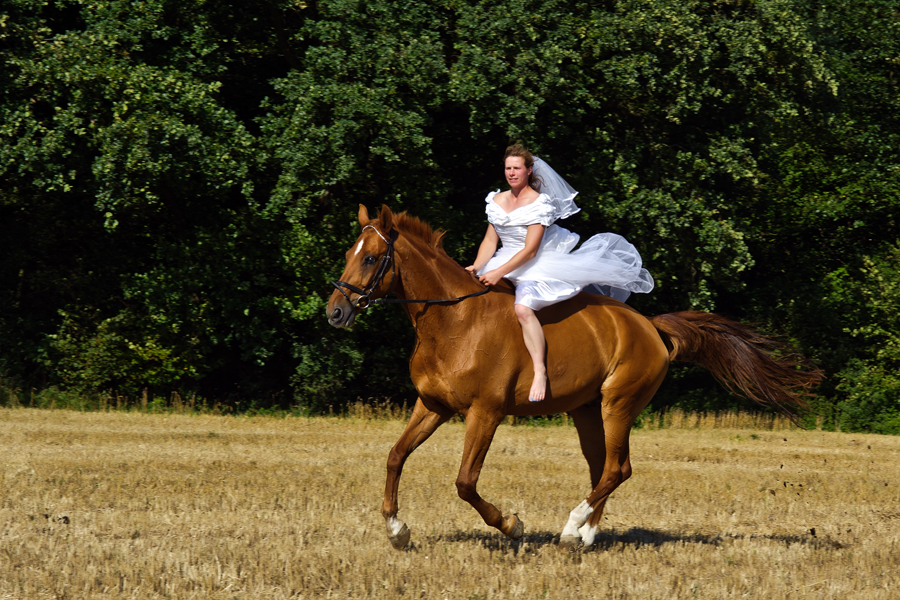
x,y
537,257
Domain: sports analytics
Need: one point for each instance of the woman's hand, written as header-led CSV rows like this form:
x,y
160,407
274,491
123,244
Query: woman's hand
x,y
472,269
491,277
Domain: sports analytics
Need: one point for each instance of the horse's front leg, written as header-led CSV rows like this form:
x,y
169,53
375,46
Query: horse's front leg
x,y
480,428
422,424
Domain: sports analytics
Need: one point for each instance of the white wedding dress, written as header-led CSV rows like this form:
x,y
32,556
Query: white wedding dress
x,y
607,263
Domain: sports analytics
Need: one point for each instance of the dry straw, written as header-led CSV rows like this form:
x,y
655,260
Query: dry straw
x,y
129,505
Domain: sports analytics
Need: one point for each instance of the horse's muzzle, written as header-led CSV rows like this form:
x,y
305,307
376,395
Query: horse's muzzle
x,y
341,316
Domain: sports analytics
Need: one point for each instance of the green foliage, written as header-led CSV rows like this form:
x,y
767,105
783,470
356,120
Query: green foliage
x,y
122,351
869,298
180,181
117,109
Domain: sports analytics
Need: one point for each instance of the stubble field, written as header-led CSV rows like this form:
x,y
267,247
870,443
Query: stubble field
x,y
130,505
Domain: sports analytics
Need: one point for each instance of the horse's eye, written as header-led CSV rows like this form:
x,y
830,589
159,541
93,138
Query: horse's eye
x,y
369,260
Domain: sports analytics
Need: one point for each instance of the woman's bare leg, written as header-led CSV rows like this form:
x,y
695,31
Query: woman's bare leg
x,y
536,345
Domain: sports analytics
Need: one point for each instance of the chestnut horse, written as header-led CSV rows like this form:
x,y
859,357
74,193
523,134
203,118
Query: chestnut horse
x,y
604,361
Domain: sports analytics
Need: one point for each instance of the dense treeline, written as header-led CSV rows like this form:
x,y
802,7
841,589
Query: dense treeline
x,y
179,180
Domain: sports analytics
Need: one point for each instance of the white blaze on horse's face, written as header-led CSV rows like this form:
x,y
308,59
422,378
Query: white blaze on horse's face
x,y
359,247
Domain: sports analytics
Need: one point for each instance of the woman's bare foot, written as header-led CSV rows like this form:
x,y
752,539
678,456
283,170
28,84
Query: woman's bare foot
x,y
538,387
537,348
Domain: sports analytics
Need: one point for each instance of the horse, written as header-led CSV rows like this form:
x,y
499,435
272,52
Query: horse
x,y
605,361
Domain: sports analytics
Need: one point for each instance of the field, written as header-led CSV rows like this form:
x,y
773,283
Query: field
x,y
132,505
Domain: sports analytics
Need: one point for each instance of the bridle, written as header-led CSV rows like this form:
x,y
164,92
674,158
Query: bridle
x,y
362,301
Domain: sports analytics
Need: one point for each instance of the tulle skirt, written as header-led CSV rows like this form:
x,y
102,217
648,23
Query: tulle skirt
x,y
605,264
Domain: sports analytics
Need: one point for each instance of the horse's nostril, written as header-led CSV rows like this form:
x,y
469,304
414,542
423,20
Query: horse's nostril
x,y
336,315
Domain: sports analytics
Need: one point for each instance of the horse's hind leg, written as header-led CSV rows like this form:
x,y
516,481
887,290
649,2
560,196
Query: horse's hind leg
x,y
604,431
588,420
480,428
584,520
422,424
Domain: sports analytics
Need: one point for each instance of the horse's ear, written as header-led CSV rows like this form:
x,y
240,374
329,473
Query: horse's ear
x,y
363,216
385,218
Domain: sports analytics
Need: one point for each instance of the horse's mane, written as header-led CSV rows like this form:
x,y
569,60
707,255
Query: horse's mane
x,y
415,227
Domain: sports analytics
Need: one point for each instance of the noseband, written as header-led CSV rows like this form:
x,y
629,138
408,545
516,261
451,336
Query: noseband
x,y
362,301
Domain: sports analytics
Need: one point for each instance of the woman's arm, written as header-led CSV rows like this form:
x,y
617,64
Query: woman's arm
x,y
532,243
485,250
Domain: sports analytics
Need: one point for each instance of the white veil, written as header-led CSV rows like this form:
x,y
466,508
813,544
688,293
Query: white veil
x,y
551,183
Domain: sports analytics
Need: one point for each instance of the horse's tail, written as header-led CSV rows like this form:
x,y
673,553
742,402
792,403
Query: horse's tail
x,y
742,360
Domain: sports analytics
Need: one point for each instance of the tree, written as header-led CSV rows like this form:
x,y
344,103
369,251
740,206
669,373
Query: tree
x,y
180,181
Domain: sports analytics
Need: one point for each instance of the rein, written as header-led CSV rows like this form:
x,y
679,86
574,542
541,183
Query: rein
x,y
362,302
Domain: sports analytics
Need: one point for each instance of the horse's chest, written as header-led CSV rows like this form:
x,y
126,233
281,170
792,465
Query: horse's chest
x,y
438,378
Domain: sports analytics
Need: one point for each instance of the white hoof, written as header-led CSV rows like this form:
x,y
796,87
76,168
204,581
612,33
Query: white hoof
x,y
400,541
588,534
577,518
398,533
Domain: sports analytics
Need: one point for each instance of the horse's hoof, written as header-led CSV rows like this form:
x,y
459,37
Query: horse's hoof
x,y
400,540
570,543
518,528
588,534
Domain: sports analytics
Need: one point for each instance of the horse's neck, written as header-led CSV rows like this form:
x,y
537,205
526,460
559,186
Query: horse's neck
x,y
429,274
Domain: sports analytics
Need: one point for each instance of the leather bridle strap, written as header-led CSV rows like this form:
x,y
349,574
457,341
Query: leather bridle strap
x,y
430,301
362,301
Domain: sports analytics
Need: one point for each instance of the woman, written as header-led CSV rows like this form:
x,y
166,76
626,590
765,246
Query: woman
x,y
537,254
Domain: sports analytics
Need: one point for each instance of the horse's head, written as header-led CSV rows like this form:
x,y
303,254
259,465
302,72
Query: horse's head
x,y
370,269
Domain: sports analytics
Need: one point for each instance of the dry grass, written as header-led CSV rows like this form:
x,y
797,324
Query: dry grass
x,y
96,505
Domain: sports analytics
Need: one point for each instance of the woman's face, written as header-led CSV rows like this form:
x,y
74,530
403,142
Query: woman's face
x,y
516,173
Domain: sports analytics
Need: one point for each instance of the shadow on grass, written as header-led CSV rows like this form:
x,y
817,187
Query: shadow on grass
x,y
634,537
